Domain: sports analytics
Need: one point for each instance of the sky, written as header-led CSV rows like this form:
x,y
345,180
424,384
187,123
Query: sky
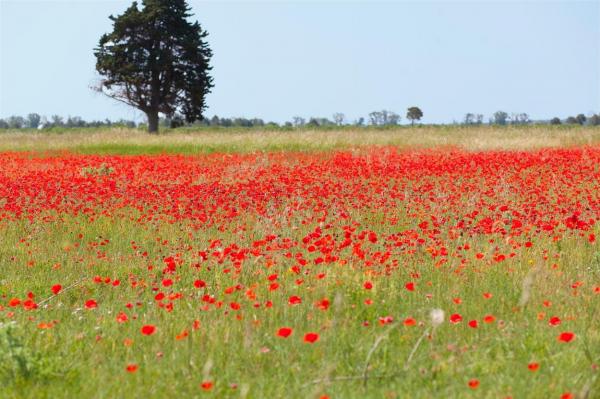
x,y
280,59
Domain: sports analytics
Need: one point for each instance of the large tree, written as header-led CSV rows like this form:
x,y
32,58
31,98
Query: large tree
x,y
156,60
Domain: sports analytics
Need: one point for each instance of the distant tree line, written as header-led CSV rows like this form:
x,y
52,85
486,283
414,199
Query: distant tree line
x,y
503,118
35,121
376,118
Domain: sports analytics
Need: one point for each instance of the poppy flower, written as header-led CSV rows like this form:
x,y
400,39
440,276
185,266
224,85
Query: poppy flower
x,y
294,300
554,321
533,366
56,289
566,336
284,332
311,338
455,318
473,383
131,368
91,304
199,284
206,385
148,329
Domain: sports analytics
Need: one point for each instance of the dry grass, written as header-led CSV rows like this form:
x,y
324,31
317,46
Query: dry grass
x,y
132,141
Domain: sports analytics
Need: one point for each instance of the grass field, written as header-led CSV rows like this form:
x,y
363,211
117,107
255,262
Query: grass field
x,y
424,262
211,140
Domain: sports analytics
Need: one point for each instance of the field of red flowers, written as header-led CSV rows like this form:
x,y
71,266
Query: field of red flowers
x,y
365,273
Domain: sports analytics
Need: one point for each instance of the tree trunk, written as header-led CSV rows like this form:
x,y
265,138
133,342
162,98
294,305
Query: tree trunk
x,y
152,122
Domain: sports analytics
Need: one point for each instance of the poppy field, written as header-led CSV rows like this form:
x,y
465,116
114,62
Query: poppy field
x,y
353,273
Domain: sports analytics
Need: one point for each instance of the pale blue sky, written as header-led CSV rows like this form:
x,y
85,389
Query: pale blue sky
x,y
279,59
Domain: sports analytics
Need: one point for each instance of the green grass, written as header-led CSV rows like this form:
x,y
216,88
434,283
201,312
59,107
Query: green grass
x,y
84,354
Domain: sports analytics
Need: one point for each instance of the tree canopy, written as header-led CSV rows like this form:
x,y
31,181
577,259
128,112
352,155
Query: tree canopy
x,y
156,60
414,114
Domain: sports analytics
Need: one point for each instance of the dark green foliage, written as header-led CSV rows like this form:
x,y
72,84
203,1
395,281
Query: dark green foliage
x,y
500,118
33,120
414,114
555,121
571,120
156,61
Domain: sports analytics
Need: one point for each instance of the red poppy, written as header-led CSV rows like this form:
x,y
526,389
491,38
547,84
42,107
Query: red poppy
x,y
294,300
91,304
455,318
566,336
131,368
311,337
473,383
533,366
206,385
199,284
554,321
148,329
284,332
56,289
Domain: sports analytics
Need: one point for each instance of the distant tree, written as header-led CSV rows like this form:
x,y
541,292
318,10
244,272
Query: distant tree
x,y
3,124
75,121
258,122
324,122
478,119
414,114
156,61
391,119
581,119
555,121
215,121
226,122
384,118
571,120
520,119
338,118
594,120
15,122
376,118
298,121
469,119
57,120
360,121
33,120
500,118
313,122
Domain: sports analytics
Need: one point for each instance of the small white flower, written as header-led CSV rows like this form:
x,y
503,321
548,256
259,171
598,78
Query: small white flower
x,y
437,317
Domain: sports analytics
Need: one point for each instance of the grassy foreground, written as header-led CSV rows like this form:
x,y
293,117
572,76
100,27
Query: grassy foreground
x,y
185,141
301,275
